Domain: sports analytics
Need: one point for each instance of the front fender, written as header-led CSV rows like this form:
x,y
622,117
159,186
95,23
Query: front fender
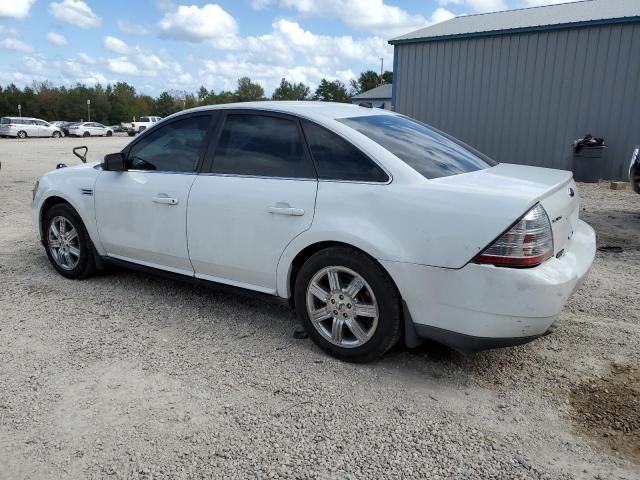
x,y
76,187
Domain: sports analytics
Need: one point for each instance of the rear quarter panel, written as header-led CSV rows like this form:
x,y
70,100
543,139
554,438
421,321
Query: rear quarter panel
x,y
422,222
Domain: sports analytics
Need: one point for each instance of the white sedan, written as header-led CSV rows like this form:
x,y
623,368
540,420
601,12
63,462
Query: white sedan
x,y
89,129
375,227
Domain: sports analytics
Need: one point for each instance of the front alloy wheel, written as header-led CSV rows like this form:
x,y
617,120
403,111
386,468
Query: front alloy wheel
x,y
64,244
67,242
342,307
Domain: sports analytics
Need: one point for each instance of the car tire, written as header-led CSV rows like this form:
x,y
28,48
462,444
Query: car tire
x,y
22,134
56,135
131,134
86,134
72,256
355,322
109,134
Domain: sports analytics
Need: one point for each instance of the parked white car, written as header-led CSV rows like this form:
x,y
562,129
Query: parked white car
x,y
89,129
372,225
23,127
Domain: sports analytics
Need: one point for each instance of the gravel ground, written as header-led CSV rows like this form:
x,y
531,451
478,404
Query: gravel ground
x,y
130,376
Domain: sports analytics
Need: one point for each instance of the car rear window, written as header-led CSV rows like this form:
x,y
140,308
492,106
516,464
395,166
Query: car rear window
x,y
5,121
430,152
144,119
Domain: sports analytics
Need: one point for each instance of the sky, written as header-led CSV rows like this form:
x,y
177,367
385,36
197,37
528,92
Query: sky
x,y
178,45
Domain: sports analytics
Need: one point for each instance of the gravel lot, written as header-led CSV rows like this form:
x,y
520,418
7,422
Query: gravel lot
x,y
130,376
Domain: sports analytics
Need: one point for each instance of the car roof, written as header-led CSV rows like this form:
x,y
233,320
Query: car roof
x,y
312,110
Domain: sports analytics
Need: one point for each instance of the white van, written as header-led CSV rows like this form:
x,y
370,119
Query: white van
x,y
23,127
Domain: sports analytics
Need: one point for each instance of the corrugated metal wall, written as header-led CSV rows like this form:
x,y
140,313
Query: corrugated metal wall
x,y
524,98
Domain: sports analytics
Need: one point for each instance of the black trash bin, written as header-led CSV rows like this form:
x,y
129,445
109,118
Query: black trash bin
x,y
587,159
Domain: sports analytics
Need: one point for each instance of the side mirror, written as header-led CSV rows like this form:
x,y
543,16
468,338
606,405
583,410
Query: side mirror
x,y
114,162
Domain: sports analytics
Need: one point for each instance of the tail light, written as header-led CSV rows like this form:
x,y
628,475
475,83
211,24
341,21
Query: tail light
x,y
528,242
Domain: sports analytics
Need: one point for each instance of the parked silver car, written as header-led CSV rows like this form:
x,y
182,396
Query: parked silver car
x,y
23,127
89,129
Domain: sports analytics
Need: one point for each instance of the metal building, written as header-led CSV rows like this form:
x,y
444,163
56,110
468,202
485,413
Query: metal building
x,y
378,97
522,85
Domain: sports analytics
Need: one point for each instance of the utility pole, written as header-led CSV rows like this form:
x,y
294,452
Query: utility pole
x,y
381,70
89,110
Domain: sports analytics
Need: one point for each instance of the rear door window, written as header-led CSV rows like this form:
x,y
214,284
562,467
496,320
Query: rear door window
x,y
261,145
427,150
337,159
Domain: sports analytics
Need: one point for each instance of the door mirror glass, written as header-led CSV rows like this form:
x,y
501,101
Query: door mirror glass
x,y
114,162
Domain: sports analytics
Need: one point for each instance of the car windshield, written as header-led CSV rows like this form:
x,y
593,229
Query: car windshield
x,y
430,152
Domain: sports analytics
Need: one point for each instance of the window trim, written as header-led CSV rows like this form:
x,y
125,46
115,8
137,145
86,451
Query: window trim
x,y
339,135
214,118
207,168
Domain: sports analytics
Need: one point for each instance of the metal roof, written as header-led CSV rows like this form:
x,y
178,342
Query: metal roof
x,y
378,93
566,15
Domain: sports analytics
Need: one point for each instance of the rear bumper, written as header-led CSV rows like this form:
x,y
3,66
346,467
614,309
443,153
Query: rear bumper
x,y
482,306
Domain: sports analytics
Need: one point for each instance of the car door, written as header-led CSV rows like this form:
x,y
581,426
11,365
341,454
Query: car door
x,y
99,129
32,128
257,195
42,128
142,212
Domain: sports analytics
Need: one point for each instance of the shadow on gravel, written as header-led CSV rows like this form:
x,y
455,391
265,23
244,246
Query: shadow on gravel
x,y
607,410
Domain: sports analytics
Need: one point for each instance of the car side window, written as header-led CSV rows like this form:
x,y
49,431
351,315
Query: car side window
x,y
174,147
261,145
337,159
41,123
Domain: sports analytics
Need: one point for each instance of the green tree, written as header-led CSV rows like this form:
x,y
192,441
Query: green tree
x,y
248,91
335,91
366,81
290,91
166,105
387,77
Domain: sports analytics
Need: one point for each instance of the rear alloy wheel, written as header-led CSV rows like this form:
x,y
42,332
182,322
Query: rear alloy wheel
x,y
86,134
348,304
22,134
67,242
56,135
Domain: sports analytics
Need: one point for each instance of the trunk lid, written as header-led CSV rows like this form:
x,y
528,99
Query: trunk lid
x,y
554,189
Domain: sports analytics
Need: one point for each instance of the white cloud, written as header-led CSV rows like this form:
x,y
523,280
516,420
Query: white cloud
x,y
75,12
539,3
88,59
15,8
441,15
197,24
116,45
56,39
371,15
122,66
479,6
15,44
131,28
260,4
34,65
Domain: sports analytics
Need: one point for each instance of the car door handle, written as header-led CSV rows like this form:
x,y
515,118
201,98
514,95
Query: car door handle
x,y
286,209
166,200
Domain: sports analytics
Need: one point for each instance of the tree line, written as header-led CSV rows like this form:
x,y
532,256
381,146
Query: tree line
x,y
121,102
